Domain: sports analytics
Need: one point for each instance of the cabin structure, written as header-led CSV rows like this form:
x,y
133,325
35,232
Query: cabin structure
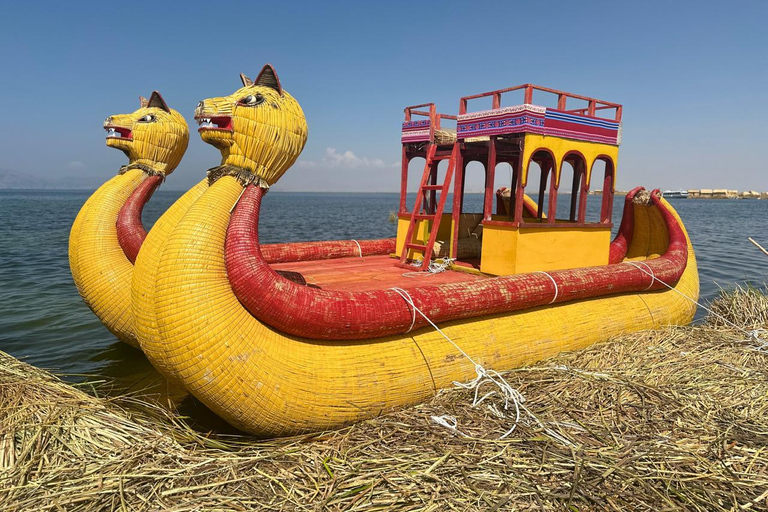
x,y
539,221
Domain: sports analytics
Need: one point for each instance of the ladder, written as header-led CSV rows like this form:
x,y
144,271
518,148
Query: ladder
x,y
425,208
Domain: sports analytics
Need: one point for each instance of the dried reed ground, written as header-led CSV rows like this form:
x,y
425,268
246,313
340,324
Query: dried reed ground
x,y
674,419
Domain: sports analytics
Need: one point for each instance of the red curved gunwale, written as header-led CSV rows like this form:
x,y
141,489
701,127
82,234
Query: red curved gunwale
x,y
130,229
131,235
321,314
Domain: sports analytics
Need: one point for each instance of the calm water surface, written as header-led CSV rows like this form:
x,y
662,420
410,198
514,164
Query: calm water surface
x,y
44,321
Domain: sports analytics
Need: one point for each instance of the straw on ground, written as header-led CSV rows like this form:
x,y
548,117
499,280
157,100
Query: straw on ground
x,y
674,419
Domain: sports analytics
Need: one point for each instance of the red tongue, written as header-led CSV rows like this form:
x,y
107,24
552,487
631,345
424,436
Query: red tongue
x,y
223,122
125,133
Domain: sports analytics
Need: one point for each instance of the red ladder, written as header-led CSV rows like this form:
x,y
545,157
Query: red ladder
x,y
425,209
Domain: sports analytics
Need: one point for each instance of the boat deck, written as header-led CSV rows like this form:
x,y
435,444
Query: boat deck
x,y
364,274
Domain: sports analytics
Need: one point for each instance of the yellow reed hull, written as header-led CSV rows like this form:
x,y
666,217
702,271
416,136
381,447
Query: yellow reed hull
x,y
270,384
100,269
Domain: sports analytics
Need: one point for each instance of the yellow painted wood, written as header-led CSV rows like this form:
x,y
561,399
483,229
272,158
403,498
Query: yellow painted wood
x,y
559,147
560,248
499,256
271,384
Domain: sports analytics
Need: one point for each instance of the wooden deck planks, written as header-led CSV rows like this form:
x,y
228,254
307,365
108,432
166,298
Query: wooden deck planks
x,y
368,273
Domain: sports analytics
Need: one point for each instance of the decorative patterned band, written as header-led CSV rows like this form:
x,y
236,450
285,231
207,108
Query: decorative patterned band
x,y
416,131
536,119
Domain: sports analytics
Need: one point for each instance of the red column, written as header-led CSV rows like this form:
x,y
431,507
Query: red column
x,y
606,208
552,207
583,196
458,196
404,180
490,174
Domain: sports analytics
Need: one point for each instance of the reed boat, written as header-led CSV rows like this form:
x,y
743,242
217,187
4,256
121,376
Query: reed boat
x,y
279,348
107,233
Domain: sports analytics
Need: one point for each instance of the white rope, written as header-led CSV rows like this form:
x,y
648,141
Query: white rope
x,y
409,300
753,335
637,264
433,268
553,282
449,422
511,397
358,247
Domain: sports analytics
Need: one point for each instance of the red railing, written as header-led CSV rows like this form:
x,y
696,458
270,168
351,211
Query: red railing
x,y
434,116
594,105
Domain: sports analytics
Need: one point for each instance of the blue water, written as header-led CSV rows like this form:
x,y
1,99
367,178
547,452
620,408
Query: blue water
x,y
44,321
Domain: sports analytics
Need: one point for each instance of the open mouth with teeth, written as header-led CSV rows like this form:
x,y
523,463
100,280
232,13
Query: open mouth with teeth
x,y
220,123
118,132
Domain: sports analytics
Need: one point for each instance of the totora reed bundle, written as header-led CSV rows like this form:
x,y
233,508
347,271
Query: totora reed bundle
x,y
674,419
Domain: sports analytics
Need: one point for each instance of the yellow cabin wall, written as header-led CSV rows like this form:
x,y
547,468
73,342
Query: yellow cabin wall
x,y
559,147
511,250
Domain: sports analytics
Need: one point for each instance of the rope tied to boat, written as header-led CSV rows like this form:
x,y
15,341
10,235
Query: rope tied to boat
x,y
637,264
753,336
553,282
511,397
409,301
358,247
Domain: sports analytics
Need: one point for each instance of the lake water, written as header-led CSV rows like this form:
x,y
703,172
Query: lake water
x,y
44,322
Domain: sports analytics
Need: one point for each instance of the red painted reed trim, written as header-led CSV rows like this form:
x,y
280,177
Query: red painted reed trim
x,y
130,230
338,315
310,251
620,244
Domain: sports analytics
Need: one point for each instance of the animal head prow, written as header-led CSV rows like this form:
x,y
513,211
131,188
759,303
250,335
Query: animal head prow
x,y
155,135
259,128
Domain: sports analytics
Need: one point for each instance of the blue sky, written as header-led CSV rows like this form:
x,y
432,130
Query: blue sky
x,y
691,75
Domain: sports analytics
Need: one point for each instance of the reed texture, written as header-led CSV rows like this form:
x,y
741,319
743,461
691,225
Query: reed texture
x,y
107,232
670,419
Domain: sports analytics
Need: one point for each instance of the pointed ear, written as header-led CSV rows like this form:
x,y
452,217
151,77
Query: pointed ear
x,y
157,101
268,78
246,81
143,102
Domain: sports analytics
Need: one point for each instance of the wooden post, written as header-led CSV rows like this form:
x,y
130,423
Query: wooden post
x,y
490,174
458,197
575,187
528,94
542,189
606,206
404,178
583,195
561,101
552,207
519,190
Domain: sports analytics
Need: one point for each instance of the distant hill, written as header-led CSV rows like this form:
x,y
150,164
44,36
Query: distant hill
x,y
15,180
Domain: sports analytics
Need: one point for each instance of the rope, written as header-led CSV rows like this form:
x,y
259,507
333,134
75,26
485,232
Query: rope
x,y
509,395
753,335
553,282
637,264
358,247
405,294
433,268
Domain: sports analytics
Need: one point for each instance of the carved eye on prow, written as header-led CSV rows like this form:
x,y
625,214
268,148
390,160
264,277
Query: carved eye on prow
x,y
149,118
252,100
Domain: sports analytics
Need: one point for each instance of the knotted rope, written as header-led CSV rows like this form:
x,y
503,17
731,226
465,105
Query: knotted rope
x,y
511,397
